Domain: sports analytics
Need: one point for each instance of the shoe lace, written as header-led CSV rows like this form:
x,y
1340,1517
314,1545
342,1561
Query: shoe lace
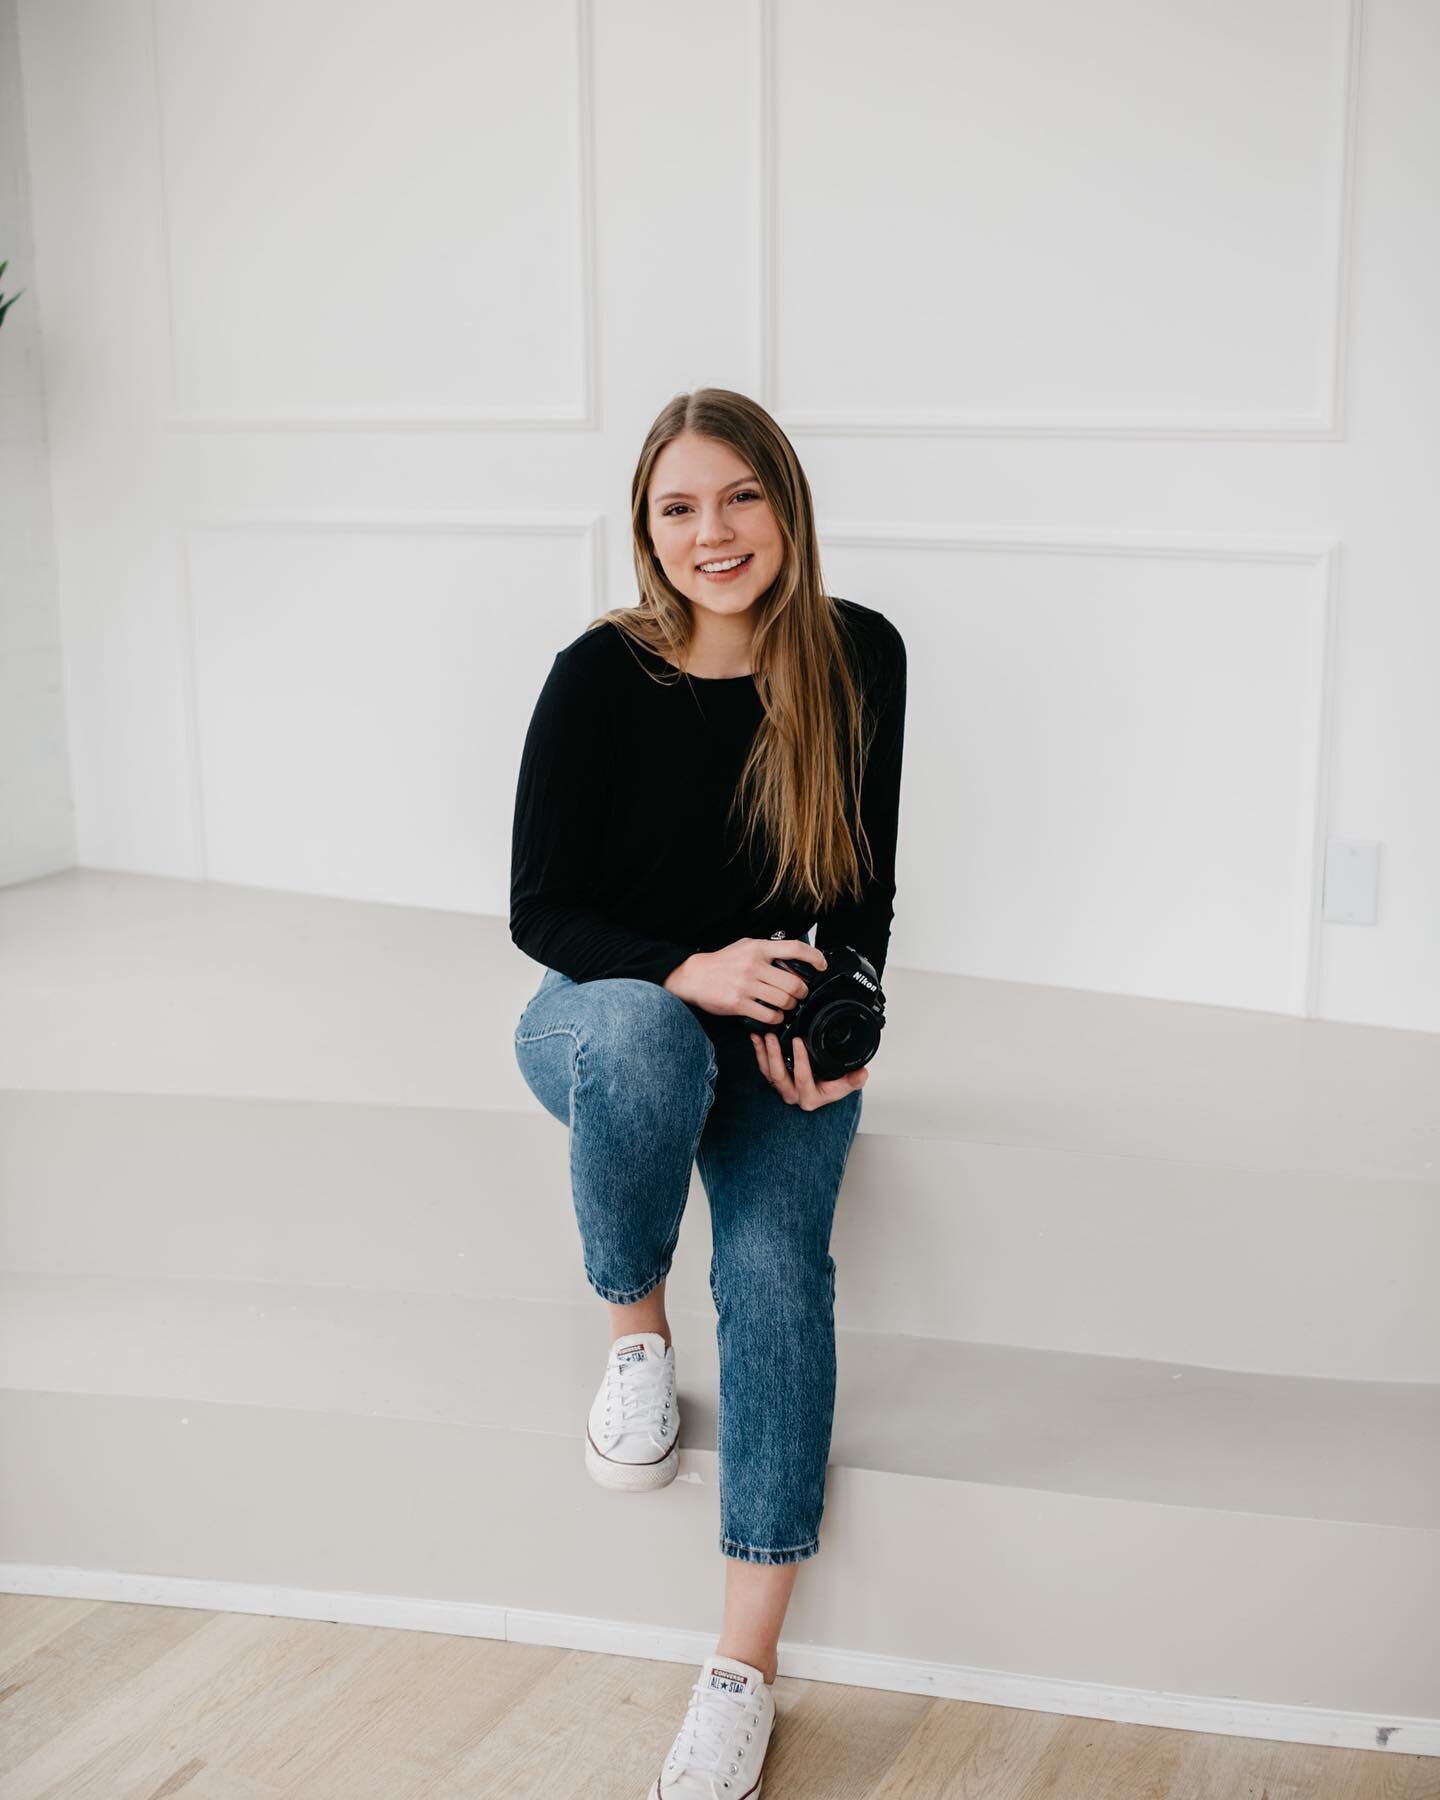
x,y
642,1392
705,1739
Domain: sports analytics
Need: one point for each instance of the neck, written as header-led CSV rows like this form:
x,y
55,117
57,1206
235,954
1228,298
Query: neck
x,y
720,644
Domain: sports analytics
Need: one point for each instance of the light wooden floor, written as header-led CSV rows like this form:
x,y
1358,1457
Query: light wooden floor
x,y
103,1701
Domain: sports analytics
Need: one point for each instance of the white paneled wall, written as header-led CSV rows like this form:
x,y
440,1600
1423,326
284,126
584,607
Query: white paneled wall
x,y
37,822
353,686
1105,334
1108,216
416,178
1135,726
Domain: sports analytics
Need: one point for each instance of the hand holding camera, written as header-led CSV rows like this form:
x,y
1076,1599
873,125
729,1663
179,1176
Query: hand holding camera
x,y
828,1009
744,980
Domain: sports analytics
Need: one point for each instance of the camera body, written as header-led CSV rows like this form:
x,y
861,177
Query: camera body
x,y
840,1018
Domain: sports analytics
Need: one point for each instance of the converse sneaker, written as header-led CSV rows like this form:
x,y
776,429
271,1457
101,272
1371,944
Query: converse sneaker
x,y
631,1441
719,1749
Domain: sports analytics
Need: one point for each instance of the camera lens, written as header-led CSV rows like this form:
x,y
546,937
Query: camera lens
x,y
846,1034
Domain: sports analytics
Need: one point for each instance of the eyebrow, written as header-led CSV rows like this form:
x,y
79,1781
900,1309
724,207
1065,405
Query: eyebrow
x,y
674,495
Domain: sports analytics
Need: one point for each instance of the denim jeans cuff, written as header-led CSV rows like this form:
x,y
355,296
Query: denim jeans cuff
x,y
747,1553
626,1296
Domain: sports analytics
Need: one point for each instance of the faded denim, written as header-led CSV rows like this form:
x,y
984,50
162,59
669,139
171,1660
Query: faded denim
x,y
647,1091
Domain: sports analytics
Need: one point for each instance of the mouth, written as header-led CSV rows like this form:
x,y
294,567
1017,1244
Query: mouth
x,y
725,568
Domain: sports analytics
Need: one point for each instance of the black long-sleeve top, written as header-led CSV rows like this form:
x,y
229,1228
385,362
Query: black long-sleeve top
x,y
622,859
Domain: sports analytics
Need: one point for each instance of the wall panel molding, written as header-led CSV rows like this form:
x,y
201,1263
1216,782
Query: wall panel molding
x,y
587,527
584,415
1321,557
1324,423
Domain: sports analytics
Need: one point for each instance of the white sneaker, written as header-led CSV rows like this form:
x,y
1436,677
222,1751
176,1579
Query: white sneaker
x,y
718,1751
631,1441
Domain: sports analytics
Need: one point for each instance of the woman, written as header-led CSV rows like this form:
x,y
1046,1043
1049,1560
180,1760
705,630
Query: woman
x,y
688,795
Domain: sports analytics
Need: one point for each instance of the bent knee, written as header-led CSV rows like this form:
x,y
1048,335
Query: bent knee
x,y
639,1025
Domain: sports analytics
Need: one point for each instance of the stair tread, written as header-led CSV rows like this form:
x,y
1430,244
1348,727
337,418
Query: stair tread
x,y
1100,1426
1259,1269
111,981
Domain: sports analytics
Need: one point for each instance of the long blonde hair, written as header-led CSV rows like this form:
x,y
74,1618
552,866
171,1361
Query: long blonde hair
x,y
800,785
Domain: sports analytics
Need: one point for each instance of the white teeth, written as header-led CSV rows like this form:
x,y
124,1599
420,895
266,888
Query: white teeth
x,y
719,567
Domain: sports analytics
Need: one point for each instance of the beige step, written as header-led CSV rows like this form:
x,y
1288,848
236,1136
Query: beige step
x,y
1013,1595
1138,1350
119,983
1254,1269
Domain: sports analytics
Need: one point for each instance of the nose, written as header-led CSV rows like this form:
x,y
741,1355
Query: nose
x,y
712,529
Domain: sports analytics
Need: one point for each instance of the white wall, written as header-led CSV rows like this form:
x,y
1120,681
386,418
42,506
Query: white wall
x,y
37,815
1105,334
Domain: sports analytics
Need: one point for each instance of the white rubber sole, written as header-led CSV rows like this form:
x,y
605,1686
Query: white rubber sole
x,y
631,1478
754,1794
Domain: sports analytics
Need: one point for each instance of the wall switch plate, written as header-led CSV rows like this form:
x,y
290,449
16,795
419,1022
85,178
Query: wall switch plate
x,y
1352,882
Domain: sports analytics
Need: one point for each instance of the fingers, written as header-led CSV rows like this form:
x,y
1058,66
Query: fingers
x,y
772,1065
780,987
794,947
812,1095
767,1050
778,998
795,950
801,1089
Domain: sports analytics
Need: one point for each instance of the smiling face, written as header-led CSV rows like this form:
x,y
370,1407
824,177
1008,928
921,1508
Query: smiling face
x,y
706,507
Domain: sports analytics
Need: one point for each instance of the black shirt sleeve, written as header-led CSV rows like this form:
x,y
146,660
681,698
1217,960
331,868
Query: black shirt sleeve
x,y
866,923
560,808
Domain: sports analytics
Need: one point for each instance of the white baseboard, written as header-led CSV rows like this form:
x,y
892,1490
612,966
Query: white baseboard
x,y
1220,1715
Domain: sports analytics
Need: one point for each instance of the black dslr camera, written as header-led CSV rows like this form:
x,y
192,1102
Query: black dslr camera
x,y
840,1018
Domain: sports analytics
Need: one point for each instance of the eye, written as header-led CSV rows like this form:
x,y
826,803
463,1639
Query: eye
x,y
679,505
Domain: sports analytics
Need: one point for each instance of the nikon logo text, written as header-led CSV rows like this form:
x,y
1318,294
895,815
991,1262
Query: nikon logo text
x,y
863,982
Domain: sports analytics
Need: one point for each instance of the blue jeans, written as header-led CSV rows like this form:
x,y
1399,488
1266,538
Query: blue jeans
x,y
648,1090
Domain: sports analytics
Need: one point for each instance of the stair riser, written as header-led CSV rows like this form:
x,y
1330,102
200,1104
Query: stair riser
x,y
1289,1611
1275,1271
